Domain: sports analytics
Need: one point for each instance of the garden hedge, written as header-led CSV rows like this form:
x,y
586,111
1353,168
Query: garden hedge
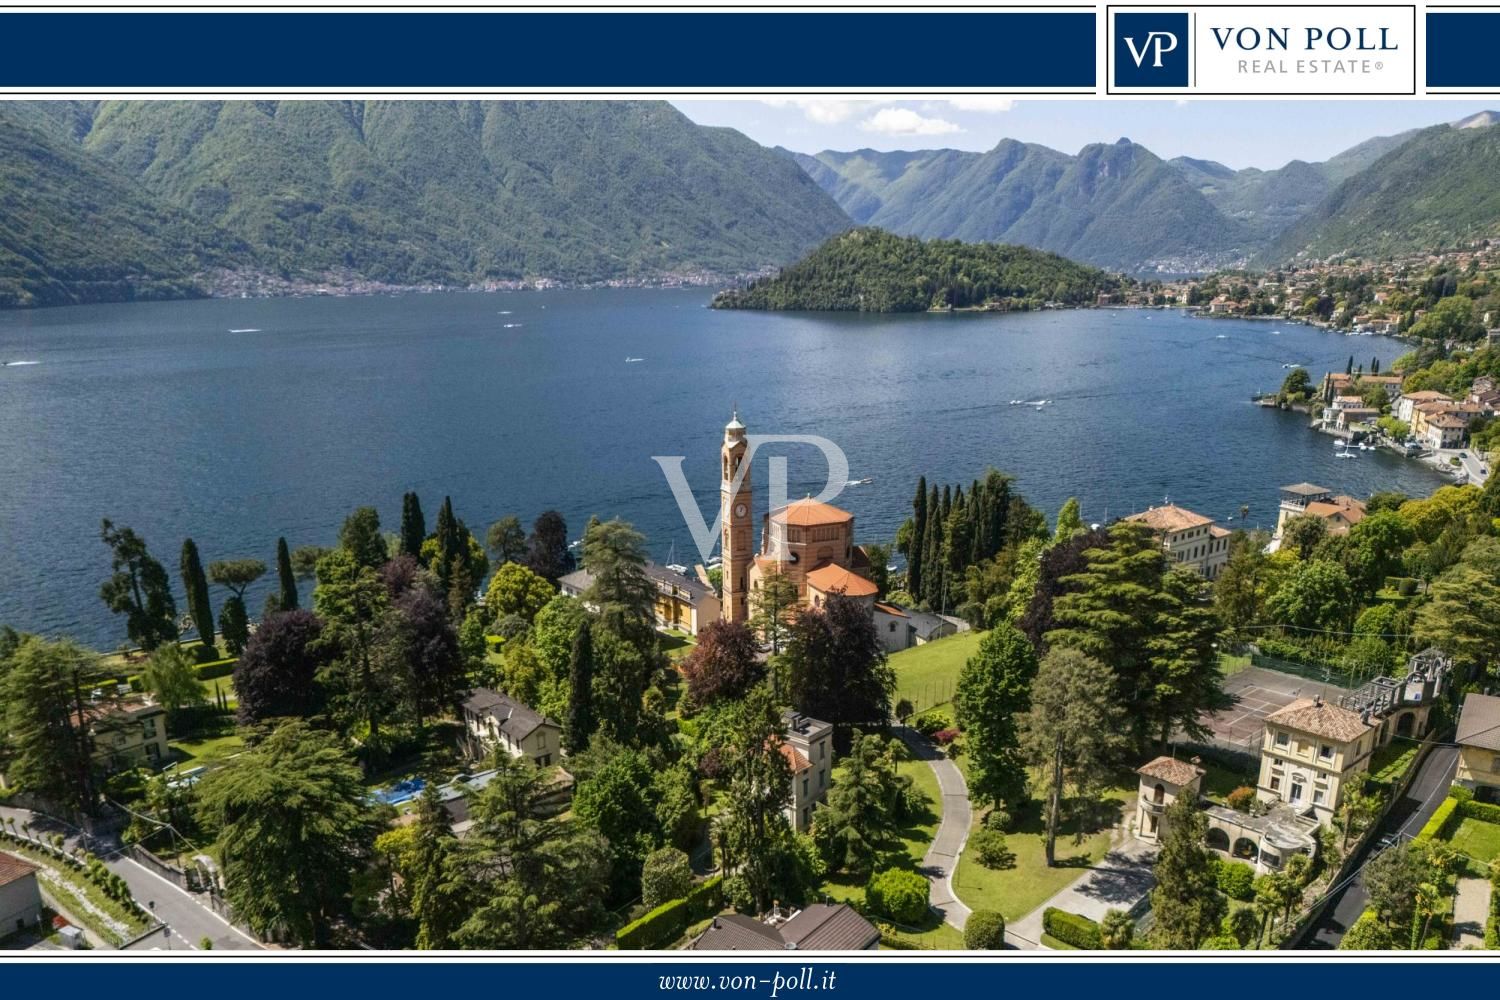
x,y
1443,822
1485,812
1071,928
666,923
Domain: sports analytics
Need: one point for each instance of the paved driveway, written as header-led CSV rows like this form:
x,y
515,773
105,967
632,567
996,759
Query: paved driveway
x,y
941,859
1121,879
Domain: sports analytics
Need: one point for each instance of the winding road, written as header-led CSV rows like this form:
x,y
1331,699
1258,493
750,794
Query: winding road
x,y
941,859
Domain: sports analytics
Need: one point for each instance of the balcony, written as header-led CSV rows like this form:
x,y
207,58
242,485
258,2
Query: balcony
x,y
1153,807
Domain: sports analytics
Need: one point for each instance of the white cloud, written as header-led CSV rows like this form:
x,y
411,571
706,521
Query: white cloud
x,y
822,112
904,121
981,102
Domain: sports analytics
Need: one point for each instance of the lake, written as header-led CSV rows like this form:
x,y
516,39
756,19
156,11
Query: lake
x,y
235,421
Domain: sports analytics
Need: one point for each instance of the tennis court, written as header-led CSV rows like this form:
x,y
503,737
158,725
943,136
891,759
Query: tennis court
x,y
1258,692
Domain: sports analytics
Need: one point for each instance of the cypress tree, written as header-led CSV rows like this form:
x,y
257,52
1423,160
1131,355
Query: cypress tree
x,y
947,501
581,722
446,533
932,550
200,605
287,598
918,540
1349,368
413,525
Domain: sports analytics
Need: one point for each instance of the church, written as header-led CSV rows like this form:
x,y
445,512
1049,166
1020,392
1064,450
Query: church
x,y
810,543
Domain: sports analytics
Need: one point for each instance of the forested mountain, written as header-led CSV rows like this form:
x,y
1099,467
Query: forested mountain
x,y
412,192
74,230
1120,206
1116,205
1434,190
870,270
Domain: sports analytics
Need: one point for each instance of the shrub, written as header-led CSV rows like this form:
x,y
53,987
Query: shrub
x,y
666,875
989,848
1369,933
898,894
984,931
943,737
214,669
1117,930
930,722
1070,928
904,708
1220,942
1242,799
1236,880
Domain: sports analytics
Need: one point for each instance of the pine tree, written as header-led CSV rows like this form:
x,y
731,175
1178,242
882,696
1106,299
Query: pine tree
x,y
287,598
446,533
200,604
139,589
914,565
413,525
1072,730
581,722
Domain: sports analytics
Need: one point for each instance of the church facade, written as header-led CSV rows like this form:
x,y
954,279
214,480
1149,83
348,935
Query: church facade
x,y
809,542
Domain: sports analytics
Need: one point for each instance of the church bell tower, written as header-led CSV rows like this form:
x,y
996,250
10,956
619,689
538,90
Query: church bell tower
x,y
735,505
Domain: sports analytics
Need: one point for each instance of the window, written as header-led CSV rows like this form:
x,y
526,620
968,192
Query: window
x,y
1317,796
148,729
1296,795
804,786
822,750
1275,783
822,779
1282,739
541,740
1325,752
893,627
545,760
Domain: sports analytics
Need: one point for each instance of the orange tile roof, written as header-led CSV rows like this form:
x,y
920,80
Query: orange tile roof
x,y
833,577
808,512
795,758
891,610
1178,772
1321,719
13,869
1170,518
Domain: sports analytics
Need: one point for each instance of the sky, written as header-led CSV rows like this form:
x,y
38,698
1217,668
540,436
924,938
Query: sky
x,y
1239,134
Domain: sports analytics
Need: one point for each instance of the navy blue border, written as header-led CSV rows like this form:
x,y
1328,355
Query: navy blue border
x,y
680,51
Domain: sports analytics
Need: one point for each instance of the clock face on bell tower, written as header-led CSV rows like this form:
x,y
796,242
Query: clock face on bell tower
x,y
734,506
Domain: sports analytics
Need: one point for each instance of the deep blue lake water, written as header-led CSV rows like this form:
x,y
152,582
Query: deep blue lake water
x,y
161,418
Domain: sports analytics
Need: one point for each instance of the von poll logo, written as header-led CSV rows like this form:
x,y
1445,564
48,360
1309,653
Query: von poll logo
x,y
1151,50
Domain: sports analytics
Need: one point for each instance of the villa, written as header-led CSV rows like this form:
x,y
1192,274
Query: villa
x,y
1339,512
20,895
1188,538
128,733
1478,742
682,602
492,719
1310,750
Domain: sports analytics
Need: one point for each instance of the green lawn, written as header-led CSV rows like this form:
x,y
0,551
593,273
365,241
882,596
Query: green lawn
x,y
676,644
926,675
1478,840
1389,763
207,749
1028,883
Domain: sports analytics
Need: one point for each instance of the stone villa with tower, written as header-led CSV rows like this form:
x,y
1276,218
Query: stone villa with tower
x,y
1312,751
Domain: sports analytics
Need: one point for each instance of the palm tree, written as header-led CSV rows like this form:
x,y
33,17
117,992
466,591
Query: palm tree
x,y
1359,809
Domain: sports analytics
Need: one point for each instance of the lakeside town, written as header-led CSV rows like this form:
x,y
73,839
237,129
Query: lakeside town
x,y
1162,732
